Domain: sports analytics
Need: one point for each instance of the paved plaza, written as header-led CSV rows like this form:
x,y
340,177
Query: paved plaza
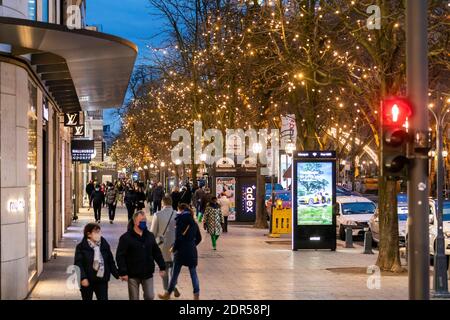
x,y
246,265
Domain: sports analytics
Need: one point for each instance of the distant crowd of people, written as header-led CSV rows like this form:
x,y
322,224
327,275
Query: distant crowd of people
x,y
170,241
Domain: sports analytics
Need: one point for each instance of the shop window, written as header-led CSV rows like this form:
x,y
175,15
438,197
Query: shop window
x,y
32,174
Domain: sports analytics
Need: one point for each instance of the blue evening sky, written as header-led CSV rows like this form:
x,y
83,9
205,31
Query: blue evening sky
x,y
130,19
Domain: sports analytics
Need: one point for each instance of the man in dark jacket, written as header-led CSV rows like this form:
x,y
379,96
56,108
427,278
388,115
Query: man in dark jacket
x,y
136,255
158,194
98,200
89,189
130,200
96,264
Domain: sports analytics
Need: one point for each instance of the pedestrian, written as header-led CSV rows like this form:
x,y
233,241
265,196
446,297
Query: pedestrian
x,y
136,255
89,189
163,228
204,200
112,197
186,194
95,262
130,200
140,197
158,194
197,199
213,221
97,200
225,205
176,196
187,237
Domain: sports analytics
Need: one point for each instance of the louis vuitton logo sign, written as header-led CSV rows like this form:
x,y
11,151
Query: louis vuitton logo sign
x,y
78,131
72,119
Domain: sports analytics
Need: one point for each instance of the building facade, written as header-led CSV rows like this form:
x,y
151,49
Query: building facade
x,y
39,82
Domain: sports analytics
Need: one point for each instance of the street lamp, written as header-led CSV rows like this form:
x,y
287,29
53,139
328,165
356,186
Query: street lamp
x,y
440,262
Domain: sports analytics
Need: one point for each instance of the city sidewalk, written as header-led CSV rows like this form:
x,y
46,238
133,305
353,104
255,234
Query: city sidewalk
x,y
246,265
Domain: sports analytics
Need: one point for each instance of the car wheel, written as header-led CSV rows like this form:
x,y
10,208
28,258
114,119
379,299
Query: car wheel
x,y
342,233
311,202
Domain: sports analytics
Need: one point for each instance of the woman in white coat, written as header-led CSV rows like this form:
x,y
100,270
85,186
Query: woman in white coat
x,y
225,205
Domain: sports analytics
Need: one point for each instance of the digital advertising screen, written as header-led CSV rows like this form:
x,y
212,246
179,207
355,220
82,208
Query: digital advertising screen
x,y
227,185
314,193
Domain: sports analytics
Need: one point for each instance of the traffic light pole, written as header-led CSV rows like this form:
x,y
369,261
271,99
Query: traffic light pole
x,y
417,84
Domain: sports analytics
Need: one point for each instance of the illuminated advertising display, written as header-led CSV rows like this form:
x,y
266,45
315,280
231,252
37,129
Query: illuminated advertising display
x,y
314,193
248,201
314,199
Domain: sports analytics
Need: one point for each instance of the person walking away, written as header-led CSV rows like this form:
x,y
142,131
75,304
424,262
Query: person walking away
x,y
225,205
140,197
130,200
163,228
187,238
96,263
186,195
98,200
204,200
89,189
136,255
112,197
213,221
158,194
120,189
197,199
175,196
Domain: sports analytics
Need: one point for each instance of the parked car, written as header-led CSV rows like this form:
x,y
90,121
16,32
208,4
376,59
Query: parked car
x,y
316,198
354,212
402,211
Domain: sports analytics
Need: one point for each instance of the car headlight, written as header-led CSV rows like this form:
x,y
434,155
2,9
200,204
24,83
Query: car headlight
x,y
447,234
351,223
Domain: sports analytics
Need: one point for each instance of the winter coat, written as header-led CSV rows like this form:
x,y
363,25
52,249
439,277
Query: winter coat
x,y
111,196
225,205
84,260
130,198
213,219
186,196
187,237
158,194
176,197
164,220
98,198
136,255
149,194
140,200
198,195
90,188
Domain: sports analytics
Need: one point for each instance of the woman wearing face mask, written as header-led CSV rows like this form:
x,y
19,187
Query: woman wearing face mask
x,y
98,200
95,260
136,256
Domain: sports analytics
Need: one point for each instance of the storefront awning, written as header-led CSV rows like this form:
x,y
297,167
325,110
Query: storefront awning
x,y
82,69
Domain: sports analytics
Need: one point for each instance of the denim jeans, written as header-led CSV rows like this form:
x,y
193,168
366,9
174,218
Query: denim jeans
x,y
168,276
176,273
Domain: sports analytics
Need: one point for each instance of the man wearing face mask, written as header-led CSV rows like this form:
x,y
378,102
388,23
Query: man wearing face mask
x,y
136,255
96,263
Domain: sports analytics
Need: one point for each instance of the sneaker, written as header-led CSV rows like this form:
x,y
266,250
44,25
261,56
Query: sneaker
x,y
176,293
165,296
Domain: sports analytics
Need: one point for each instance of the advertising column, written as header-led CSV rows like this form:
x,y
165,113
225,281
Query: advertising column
x,y
314,190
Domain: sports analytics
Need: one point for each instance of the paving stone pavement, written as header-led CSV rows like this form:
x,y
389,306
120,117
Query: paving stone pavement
x,y
245,266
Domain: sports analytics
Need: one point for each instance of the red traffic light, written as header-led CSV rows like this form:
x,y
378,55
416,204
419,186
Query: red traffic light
x,y
396,111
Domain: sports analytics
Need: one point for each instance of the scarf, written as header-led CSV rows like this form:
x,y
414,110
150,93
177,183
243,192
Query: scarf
x,y
99,264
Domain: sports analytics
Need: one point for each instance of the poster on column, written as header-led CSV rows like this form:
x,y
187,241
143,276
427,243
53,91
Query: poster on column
x,y
227,185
